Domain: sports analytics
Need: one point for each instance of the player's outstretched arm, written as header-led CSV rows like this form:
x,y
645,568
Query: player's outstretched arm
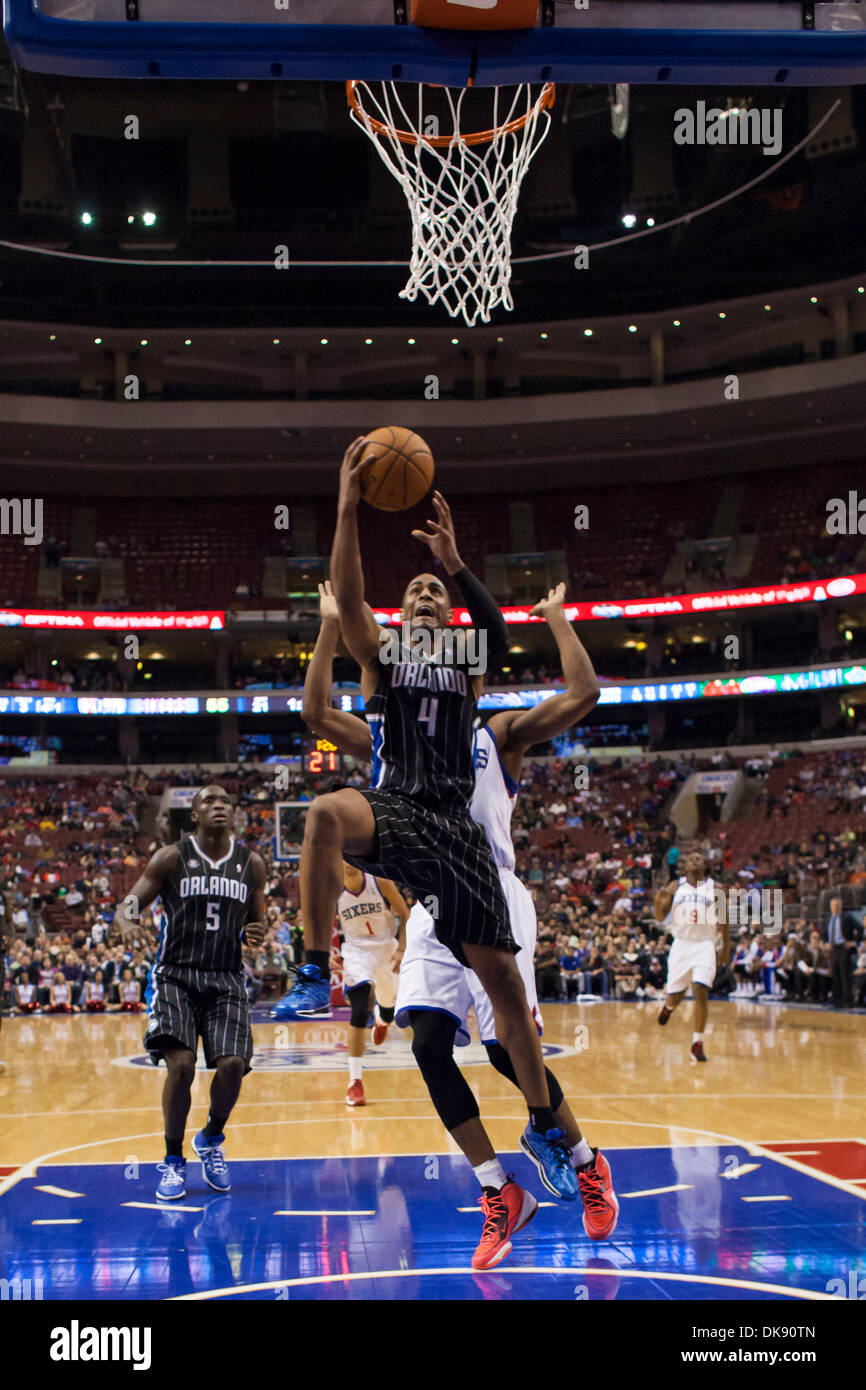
x,y
725,952
360,629
349,733
254,927
484,611
664,900
145,890
517,730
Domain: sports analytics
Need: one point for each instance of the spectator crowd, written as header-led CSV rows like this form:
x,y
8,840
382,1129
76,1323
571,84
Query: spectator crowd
x,y
592,844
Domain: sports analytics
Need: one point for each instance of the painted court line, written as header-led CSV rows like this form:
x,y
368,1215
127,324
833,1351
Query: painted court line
x,y
540,1204
781,1197
57,1191
811,1295
160,1206
707,1136
325,1213
658,1191
741,1171
249,1103
69,1221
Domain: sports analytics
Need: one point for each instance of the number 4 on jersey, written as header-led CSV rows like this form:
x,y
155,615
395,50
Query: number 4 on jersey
x,y
427,714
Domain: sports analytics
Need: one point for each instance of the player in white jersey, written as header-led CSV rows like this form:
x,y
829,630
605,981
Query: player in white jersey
x,y
371,959
436,992
688,907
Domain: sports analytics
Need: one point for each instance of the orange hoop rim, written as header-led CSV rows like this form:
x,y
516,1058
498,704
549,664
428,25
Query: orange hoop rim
x,y
545,100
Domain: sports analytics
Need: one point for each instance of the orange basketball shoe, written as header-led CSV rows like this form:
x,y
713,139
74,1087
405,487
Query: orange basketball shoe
x,y
355,1094
380,1029
600,1205
505,1212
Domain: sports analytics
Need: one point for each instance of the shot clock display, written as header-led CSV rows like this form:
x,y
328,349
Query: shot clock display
x,y
319,756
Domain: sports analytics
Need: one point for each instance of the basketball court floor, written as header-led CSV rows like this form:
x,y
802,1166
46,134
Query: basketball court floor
x,y
744,1178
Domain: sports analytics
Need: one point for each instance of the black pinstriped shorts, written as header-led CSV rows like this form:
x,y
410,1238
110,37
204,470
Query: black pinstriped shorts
x,y
189,1004
444,858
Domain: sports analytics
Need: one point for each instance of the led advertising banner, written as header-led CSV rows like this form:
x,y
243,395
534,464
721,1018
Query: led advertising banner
x,y
81,620
279,702
672,605
677,605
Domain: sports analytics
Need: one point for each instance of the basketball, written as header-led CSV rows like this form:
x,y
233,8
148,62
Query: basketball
x,y
399,470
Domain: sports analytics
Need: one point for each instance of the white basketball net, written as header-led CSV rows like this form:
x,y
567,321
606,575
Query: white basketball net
x,y
462,197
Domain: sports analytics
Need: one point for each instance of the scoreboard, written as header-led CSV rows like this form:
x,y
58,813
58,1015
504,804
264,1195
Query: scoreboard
x,y
318,756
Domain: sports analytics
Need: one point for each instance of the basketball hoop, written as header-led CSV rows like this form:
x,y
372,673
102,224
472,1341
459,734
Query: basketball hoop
x,y
462,187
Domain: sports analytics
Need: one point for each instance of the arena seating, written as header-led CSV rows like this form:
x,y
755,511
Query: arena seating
x,y
201,551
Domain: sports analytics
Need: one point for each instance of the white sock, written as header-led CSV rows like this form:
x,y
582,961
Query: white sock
x,y
356,1067
697,1037
491,1174
581,1153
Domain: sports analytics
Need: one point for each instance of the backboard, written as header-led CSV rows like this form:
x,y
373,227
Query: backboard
x,y
680,42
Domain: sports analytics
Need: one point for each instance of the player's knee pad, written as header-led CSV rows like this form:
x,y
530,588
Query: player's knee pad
x,y
501,1060
433,1048
359,1003
386,1015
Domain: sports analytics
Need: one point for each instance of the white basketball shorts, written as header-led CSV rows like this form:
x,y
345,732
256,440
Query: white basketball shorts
x,y
369,961
690,960
432,979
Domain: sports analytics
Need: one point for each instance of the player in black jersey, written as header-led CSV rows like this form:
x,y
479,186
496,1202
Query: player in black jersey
x,y
213,902
414,825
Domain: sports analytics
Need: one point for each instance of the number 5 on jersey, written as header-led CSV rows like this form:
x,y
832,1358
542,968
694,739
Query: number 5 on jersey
x,y
213,917
427,714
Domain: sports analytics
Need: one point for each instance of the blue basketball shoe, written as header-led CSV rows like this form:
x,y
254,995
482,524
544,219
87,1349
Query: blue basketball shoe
x,y
172,1184
309,997
214,1168
553,1160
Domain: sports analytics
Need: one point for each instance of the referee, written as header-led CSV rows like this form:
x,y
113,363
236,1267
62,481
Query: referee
x,y
212,892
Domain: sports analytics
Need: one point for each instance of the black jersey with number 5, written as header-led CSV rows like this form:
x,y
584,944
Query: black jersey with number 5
x,y
421,718
205,906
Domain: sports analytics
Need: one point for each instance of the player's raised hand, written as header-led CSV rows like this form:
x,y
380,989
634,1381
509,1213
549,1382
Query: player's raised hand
x,y
327,603
555,599
440,538
350,472
254,934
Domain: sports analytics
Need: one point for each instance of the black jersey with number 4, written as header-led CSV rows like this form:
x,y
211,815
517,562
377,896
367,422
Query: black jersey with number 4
x,y
205,905
421,718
